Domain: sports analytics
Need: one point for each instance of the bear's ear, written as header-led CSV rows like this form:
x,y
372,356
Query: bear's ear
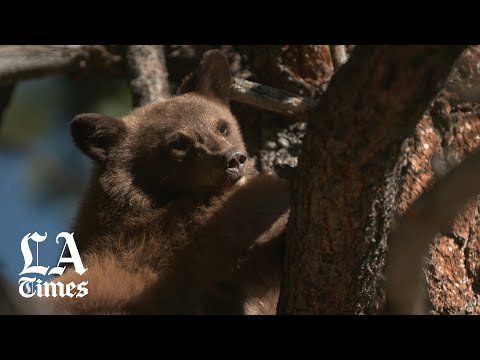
x,y
211,79
94,134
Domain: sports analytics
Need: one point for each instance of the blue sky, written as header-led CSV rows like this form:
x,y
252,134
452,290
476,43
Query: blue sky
x,y
19,216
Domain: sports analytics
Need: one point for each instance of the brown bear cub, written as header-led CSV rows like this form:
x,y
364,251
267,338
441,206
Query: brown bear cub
x,y
176,220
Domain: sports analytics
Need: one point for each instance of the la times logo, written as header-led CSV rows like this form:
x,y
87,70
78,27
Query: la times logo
x,y
30,286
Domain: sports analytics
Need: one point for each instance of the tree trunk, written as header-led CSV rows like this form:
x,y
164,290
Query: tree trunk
x,y
350,176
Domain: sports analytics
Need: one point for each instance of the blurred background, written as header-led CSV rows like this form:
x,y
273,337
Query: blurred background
x,y
43,175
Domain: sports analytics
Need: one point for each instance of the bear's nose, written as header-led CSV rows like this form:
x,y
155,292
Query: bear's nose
x,y
235,161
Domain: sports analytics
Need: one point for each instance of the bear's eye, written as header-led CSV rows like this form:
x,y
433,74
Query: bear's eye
x,y
180,144
223,129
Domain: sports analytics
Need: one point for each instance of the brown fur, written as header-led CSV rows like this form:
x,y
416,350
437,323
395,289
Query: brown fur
x,y
163,227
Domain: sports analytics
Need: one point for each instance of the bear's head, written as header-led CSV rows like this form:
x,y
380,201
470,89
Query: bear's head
x,y
187,145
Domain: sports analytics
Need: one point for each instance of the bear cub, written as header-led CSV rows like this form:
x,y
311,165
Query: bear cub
x,y
175,219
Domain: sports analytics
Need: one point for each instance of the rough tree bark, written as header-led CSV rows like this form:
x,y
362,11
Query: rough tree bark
x,y
301,69
446,134
432,213
273,139
344,192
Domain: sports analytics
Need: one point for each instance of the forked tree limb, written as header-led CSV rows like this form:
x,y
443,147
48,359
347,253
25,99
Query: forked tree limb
x,y
28,62
432,213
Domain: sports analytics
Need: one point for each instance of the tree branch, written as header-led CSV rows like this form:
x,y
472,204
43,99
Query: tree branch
x,y
271,99
432,213
147,73
23,62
